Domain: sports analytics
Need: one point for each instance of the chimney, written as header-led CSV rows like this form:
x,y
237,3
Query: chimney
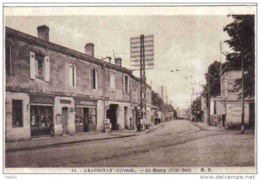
x,y
89,49
43,32
118,62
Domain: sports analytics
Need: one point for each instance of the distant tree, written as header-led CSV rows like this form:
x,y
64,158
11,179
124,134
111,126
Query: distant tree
x,y
157,100
242,42
167,108
213,80
196,106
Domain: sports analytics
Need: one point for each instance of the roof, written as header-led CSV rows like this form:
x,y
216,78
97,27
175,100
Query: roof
x,y
65,50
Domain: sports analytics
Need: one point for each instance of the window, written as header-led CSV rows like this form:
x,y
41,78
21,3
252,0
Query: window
x,y
41,120
92,116
112,82
215,107
8,63
79,116
94,78
17,113
39,66
72,75
126,84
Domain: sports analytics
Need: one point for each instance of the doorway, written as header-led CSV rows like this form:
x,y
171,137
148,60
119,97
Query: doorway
x,y
112,115
41,120
133,120
252,114
86,121
125,117
65,120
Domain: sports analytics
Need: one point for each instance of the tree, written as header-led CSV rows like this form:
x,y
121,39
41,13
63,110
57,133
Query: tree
x,y
242,42
157,100
196,107
213,80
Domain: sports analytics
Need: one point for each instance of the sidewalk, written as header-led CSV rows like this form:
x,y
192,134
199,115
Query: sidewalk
x,y
206,127
48,141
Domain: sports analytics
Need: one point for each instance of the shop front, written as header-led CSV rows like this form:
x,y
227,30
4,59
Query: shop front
x,y
41,115
86,115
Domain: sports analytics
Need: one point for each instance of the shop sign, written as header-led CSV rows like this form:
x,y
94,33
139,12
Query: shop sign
x,y
65,101
234,112
58,119
41,99
85,103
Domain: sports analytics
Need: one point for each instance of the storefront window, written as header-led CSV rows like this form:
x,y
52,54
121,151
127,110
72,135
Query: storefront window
x,y
41,120
17,113
79,116
92,116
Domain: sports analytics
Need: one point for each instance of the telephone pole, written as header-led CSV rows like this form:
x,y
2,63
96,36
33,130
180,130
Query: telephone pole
x,y
242,96
142,56
208,112
220,68
142,80
220,58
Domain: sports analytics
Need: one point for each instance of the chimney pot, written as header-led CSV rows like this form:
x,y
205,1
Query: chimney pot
x,y
89,49
118,62
43,32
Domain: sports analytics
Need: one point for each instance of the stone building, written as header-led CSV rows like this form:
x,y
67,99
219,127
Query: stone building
x,y
49,86
226,109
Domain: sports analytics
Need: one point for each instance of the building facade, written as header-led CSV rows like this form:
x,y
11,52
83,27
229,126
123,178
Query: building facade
x,y
51,89
227,108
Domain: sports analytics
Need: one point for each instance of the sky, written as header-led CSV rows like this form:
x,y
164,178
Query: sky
x,y
189,43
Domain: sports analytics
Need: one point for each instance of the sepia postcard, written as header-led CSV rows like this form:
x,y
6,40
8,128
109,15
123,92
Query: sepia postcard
x,y
130,89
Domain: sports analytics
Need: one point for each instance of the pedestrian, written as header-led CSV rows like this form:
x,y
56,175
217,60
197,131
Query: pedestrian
x,y
52,129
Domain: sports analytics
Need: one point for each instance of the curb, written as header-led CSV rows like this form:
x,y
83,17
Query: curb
x,y
151,130
206,128
79,141
62,143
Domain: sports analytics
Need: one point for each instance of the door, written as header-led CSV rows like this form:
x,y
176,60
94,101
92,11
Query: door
x,y
133,120
64,120
125,117
112,115
86,121
252,114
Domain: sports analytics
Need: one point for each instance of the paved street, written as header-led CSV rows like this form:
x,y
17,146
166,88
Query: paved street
x,y
174,144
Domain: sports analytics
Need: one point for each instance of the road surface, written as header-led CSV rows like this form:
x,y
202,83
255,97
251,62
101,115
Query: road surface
x,y
178,143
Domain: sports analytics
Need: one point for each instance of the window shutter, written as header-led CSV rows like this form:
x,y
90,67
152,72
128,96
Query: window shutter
x,y
92,78
70,74
75,75
128,84
112,82
32,65
124,83
36,67
95,71
46,68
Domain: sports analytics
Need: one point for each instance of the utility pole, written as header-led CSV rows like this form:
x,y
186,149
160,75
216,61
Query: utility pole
x,y
142,55
142,81
242,105
220,69
220,58
208,117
